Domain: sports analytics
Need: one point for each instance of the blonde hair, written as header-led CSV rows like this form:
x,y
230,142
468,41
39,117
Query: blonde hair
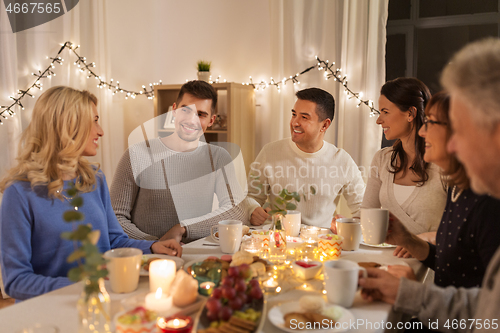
x,y
474,73
53,143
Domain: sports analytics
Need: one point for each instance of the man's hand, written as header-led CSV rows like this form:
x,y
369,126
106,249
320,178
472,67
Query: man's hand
x,y
170,247
379,285
333,225
259,216
176,233
400,271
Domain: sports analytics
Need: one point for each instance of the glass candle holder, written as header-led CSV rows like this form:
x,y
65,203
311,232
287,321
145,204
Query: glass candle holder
x,y
309,234
270,283
253,246
307,251
175,324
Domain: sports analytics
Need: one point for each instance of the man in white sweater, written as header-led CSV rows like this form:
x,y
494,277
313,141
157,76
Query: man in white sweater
x,y
303,161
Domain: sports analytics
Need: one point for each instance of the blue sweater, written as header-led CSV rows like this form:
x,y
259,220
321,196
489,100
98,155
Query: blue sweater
x,y
32,253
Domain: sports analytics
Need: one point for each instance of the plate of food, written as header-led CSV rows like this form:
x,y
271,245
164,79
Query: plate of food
x,y
148,258
206,263
311,314
383,245
238,305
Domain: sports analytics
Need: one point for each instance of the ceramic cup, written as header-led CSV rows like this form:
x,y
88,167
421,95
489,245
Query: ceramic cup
x,y
374,224
350,229
124,265
341,281
229,235
291,222
40,328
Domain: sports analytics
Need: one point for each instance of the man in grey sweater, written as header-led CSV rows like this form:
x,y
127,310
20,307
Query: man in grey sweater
x,y
164,187
473,80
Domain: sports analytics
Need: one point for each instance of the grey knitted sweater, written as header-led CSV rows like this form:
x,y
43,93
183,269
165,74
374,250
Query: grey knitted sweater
x,y
155,188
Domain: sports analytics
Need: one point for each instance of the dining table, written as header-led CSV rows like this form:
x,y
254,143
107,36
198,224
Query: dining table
x,y
59,306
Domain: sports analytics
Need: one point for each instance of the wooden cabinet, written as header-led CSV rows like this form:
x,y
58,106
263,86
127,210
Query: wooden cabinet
x,y
235,105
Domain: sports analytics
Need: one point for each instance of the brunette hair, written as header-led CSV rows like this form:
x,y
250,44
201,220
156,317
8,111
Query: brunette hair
x,y
407,94
53,143
325,103
455,174
200,90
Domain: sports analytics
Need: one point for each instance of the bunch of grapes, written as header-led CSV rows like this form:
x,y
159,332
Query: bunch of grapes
x,y
233,293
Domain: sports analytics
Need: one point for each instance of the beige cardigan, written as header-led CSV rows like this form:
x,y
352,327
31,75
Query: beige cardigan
x,y
423,209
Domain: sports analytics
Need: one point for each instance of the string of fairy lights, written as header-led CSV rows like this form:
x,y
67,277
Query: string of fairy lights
x,y
329,71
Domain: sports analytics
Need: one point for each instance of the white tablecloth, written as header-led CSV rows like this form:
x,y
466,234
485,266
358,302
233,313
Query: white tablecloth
x,y
59,307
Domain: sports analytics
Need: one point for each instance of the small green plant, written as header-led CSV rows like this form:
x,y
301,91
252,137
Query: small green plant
x,y
204,66
285,200
86,254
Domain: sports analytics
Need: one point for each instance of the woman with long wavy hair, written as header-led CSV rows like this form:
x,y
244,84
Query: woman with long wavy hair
x,y
400,180
63,130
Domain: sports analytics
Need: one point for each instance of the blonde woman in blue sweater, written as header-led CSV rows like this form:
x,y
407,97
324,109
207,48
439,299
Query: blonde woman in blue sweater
x,y
63,130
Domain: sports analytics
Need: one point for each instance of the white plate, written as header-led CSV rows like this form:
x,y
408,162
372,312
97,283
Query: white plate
x,y
178,262
277,317
383,245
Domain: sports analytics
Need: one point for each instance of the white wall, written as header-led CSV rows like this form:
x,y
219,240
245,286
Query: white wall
x,y
158,39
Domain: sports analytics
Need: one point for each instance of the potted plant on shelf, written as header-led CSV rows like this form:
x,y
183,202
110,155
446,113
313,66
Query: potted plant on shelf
x,y
204,70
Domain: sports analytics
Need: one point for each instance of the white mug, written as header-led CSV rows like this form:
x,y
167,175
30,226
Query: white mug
x,y
341,281
350,229
229,235
374,223
291,223
124,265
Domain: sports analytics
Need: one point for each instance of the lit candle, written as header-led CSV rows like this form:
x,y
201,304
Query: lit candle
x,y
207,287
158,302
270,283
161,275
178,324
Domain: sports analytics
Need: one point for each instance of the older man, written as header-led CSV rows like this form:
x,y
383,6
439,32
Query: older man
x,y
473,80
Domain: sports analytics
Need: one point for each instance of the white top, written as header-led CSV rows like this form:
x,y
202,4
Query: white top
x,y
330,170
402,192
421,211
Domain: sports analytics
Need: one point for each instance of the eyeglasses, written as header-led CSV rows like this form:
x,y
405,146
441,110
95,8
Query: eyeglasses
x,y
433,122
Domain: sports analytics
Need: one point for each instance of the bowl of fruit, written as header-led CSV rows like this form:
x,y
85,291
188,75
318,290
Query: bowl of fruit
x,y
237,304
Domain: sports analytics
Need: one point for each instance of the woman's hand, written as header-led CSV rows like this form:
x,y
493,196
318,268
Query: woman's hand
x,y
401,252
429,237
333,225
170,247
176,233
397,233
379,285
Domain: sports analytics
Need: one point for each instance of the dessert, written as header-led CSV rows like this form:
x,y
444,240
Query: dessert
x,y
369,264
138,320
184,289
315,304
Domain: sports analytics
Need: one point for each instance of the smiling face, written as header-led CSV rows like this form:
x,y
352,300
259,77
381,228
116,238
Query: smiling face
x,y
95,133
435,141
192,117
396,124
476,147
306,128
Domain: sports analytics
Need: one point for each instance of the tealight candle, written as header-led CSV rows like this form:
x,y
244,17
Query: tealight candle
x,y
161,275
179,324
207,287
158,302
